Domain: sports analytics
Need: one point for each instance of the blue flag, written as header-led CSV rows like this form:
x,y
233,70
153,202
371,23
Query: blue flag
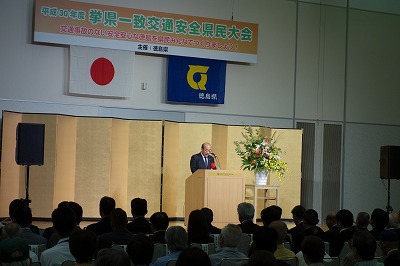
x,y
196,80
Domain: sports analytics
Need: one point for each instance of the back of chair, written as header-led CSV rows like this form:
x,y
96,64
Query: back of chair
x,y
287,245
171,262
207,248
160,250
333,261
36,263
234,262
244,244
291,262
37,249
121,247
216,240
326,244
68,263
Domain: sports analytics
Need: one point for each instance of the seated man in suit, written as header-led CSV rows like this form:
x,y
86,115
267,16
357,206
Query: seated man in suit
x,y
159,223
202,160
120,234
64,222
230,237
246,214
106,206
23,216
297,232
139,223
210,217
82,244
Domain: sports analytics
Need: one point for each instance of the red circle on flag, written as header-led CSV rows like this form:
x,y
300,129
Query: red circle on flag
x,y
102,71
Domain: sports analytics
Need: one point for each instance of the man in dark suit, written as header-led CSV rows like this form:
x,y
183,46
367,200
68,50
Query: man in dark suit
x,y
246,214
106,206
202,160
120,234
139,223
159,224
298,232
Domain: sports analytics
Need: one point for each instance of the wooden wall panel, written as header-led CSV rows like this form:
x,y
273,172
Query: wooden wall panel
x,y
144,163
93,155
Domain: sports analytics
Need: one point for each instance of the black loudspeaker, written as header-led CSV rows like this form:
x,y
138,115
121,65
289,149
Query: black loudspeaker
x,y
30,144
390,162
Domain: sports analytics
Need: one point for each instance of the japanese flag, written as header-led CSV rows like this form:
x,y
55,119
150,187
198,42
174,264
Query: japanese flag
x,y
102,72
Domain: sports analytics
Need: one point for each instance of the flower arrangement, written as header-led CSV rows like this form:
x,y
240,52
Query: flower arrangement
x,y
260,153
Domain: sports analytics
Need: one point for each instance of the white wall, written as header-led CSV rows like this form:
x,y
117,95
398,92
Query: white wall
x,y
312,66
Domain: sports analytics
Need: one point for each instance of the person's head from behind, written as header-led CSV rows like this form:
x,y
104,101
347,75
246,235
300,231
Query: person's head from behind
x,y
262,257
23,216
14,205
82,244
315,231
140,249
388,240
310,218
313,249
193,256
10,230
298,213
330,219
265,238
75,207
344,219
14,251
245,211
197,224
281,229
64,221
362,220
230,236
271,214
209,214
364,246
379,218
107,204
112,257
138,207
159,221
176,238
119,218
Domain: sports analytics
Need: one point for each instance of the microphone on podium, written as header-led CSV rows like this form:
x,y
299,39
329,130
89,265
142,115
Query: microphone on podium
x,y
216,159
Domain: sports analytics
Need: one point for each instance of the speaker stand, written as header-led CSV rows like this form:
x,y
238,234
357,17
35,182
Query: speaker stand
x,y
389,208
27,200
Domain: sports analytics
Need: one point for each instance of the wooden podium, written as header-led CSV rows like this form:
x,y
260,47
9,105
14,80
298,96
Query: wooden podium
x,y
219,190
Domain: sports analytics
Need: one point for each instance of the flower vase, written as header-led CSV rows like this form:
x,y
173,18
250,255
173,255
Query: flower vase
x,y
261,177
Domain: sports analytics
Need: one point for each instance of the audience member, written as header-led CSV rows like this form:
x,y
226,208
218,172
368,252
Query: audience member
x,y
265,238
14,251
139,223
140,249
176,238
230,237
107,204
379,221
281,252
261,258
362,221
310,221
313,250
14,230
393,260
389,243
345,220
331,235
246,214
315,232
364,246
297,232
23,216
64,222
120,234
393,220
112,257
16,204
193,256
198,229
270,214
210,217
82,244
330,219
159,223
78,211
